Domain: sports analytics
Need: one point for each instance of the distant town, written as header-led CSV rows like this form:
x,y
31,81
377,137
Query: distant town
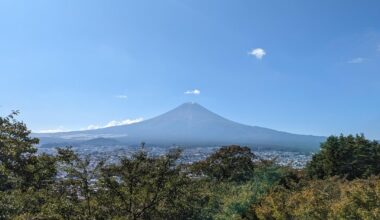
x,y
112,154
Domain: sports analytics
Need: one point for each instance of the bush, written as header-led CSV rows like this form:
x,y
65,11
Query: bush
x,y
332,198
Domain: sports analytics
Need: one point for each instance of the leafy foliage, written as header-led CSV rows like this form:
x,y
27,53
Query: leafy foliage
x,y
142,186
350,157
332,198
231,163
19,164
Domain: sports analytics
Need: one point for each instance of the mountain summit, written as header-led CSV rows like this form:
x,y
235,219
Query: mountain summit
x,y
191,124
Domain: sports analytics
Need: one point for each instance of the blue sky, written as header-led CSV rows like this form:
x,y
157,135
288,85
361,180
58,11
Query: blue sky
x,y
68,65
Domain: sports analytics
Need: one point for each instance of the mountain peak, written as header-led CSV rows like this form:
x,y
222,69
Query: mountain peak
x,y
190,108
190,104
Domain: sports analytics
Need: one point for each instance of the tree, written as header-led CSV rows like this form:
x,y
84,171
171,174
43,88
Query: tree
x,y
350,157
230,163
76,191
25,176
20,166
143,187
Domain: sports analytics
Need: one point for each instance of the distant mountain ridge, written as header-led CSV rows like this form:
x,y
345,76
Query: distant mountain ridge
x,y
190,124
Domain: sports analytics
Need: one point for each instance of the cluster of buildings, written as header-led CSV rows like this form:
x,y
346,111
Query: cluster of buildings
x,y
112,154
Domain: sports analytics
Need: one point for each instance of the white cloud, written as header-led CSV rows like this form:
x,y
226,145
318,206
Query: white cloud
x,y
356,60
93,126
114,123
259,53
121,96
123,122
55,130
193,92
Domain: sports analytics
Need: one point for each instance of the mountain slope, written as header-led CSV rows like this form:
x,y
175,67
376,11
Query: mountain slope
x,y
191,124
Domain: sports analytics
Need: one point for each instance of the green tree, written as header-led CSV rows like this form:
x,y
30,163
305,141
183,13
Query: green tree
x,y
75,193
346,156
25,176
230,163
143,187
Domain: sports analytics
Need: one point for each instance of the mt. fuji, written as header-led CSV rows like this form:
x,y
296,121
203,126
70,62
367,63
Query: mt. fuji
x,y
190,124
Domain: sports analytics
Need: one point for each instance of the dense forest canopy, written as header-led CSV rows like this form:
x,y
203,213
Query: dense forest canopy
x,y
340,182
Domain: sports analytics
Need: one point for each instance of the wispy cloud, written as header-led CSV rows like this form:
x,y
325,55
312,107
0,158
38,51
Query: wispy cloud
x,y
193,92
259,53
94,126
121,97
55,130
356,60
114,123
